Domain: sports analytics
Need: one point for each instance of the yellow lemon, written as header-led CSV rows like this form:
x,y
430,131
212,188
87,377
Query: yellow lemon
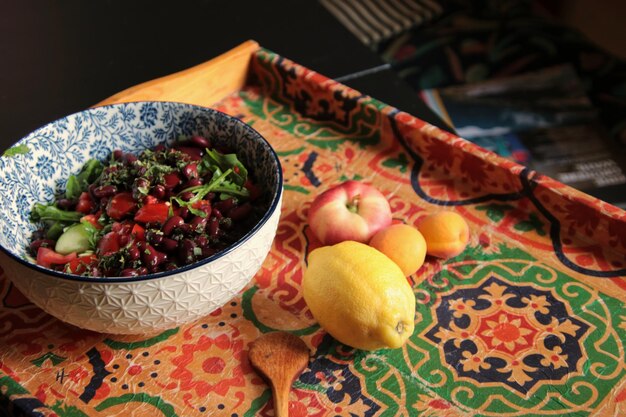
x,y
359,296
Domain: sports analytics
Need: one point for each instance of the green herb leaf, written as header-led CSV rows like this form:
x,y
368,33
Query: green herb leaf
x,y
90,173
73,188
16,150
46,212
55,231
93,232
225,162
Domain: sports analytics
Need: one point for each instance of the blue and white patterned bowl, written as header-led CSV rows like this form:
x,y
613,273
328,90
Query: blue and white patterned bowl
x,y
38,169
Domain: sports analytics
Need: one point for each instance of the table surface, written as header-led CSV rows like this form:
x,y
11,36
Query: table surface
x,y
61,57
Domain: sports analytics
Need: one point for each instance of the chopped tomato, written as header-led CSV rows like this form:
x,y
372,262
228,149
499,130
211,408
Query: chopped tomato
x,y
122,228
203,205
138,232
79,265
171,180
47,257
121,205
85,203
150,199
93,219
253,189
109,243
153,213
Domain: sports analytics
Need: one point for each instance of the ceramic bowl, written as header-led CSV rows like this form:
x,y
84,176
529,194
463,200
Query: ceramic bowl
x,y
37,169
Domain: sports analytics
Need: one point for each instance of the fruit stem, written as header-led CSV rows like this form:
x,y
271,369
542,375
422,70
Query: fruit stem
x,y
353,205
400,327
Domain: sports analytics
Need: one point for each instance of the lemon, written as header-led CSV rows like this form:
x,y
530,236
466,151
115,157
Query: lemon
x,y
359,296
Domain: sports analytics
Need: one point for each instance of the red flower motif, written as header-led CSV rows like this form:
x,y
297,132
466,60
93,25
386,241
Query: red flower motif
x,y
581,216
617,230
475,169
211,365
440,153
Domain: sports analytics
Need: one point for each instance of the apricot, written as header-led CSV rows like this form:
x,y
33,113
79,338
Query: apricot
x,y
446,233
403,244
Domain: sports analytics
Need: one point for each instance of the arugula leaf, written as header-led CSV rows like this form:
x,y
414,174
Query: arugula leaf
x,y
46,212
239,173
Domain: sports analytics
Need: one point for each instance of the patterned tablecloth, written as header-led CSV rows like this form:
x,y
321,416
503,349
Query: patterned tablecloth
x,y
529,320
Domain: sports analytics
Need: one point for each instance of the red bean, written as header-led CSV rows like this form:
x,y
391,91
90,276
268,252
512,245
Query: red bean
x,y
118,154
168,245
153,237
159,191
195,154
129,272
184,212
152,257
66,204
190,171
105,191
216,213
200,142
129,159
45,243
206,252
142,270
202,241
186,251
123,240
240,212
186,196
225,205
170,266
214,226
193,183
159,148
171,224
198,224
133,253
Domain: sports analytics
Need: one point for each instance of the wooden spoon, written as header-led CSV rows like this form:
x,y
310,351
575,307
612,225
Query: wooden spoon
x,y
279,357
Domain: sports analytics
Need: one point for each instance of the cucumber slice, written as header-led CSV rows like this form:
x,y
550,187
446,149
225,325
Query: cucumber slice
x,y
74,239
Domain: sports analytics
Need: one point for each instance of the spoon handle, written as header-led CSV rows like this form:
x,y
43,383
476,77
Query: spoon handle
x,y
281,399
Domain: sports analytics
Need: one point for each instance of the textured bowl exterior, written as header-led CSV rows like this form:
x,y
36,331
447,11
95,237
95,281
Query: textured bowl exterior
x,y
135,305
150,305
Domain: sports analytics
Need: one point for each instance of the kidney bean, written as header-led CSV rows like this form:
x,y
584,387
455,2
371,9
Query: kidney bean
x,y
216,213
36,244
171,180
123,240
185,228
190,171
198,224
90,190
168,245
171,224
38,234
129,159
240,212
206,252
225,205
159,148
186,196
152,257
133,253
193,183
214,226
226,223
184,213
118,154
105,191
195,154
200,142
142,270
159,191
170,266
95,272
202,241
153,237
129,272
186,251
66,204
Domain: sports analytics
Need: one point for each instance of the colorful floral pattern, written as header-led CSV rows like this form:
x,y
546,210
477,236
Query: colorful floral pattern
x,y
529,320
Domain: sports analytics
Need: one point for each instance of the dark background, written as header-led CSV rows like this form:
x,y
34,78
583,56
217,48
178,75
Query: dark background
x,y
59,57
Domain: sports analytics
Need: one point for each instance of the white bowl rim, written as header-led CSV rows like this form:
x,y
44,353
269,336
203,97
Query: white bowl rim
x,y
148,277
